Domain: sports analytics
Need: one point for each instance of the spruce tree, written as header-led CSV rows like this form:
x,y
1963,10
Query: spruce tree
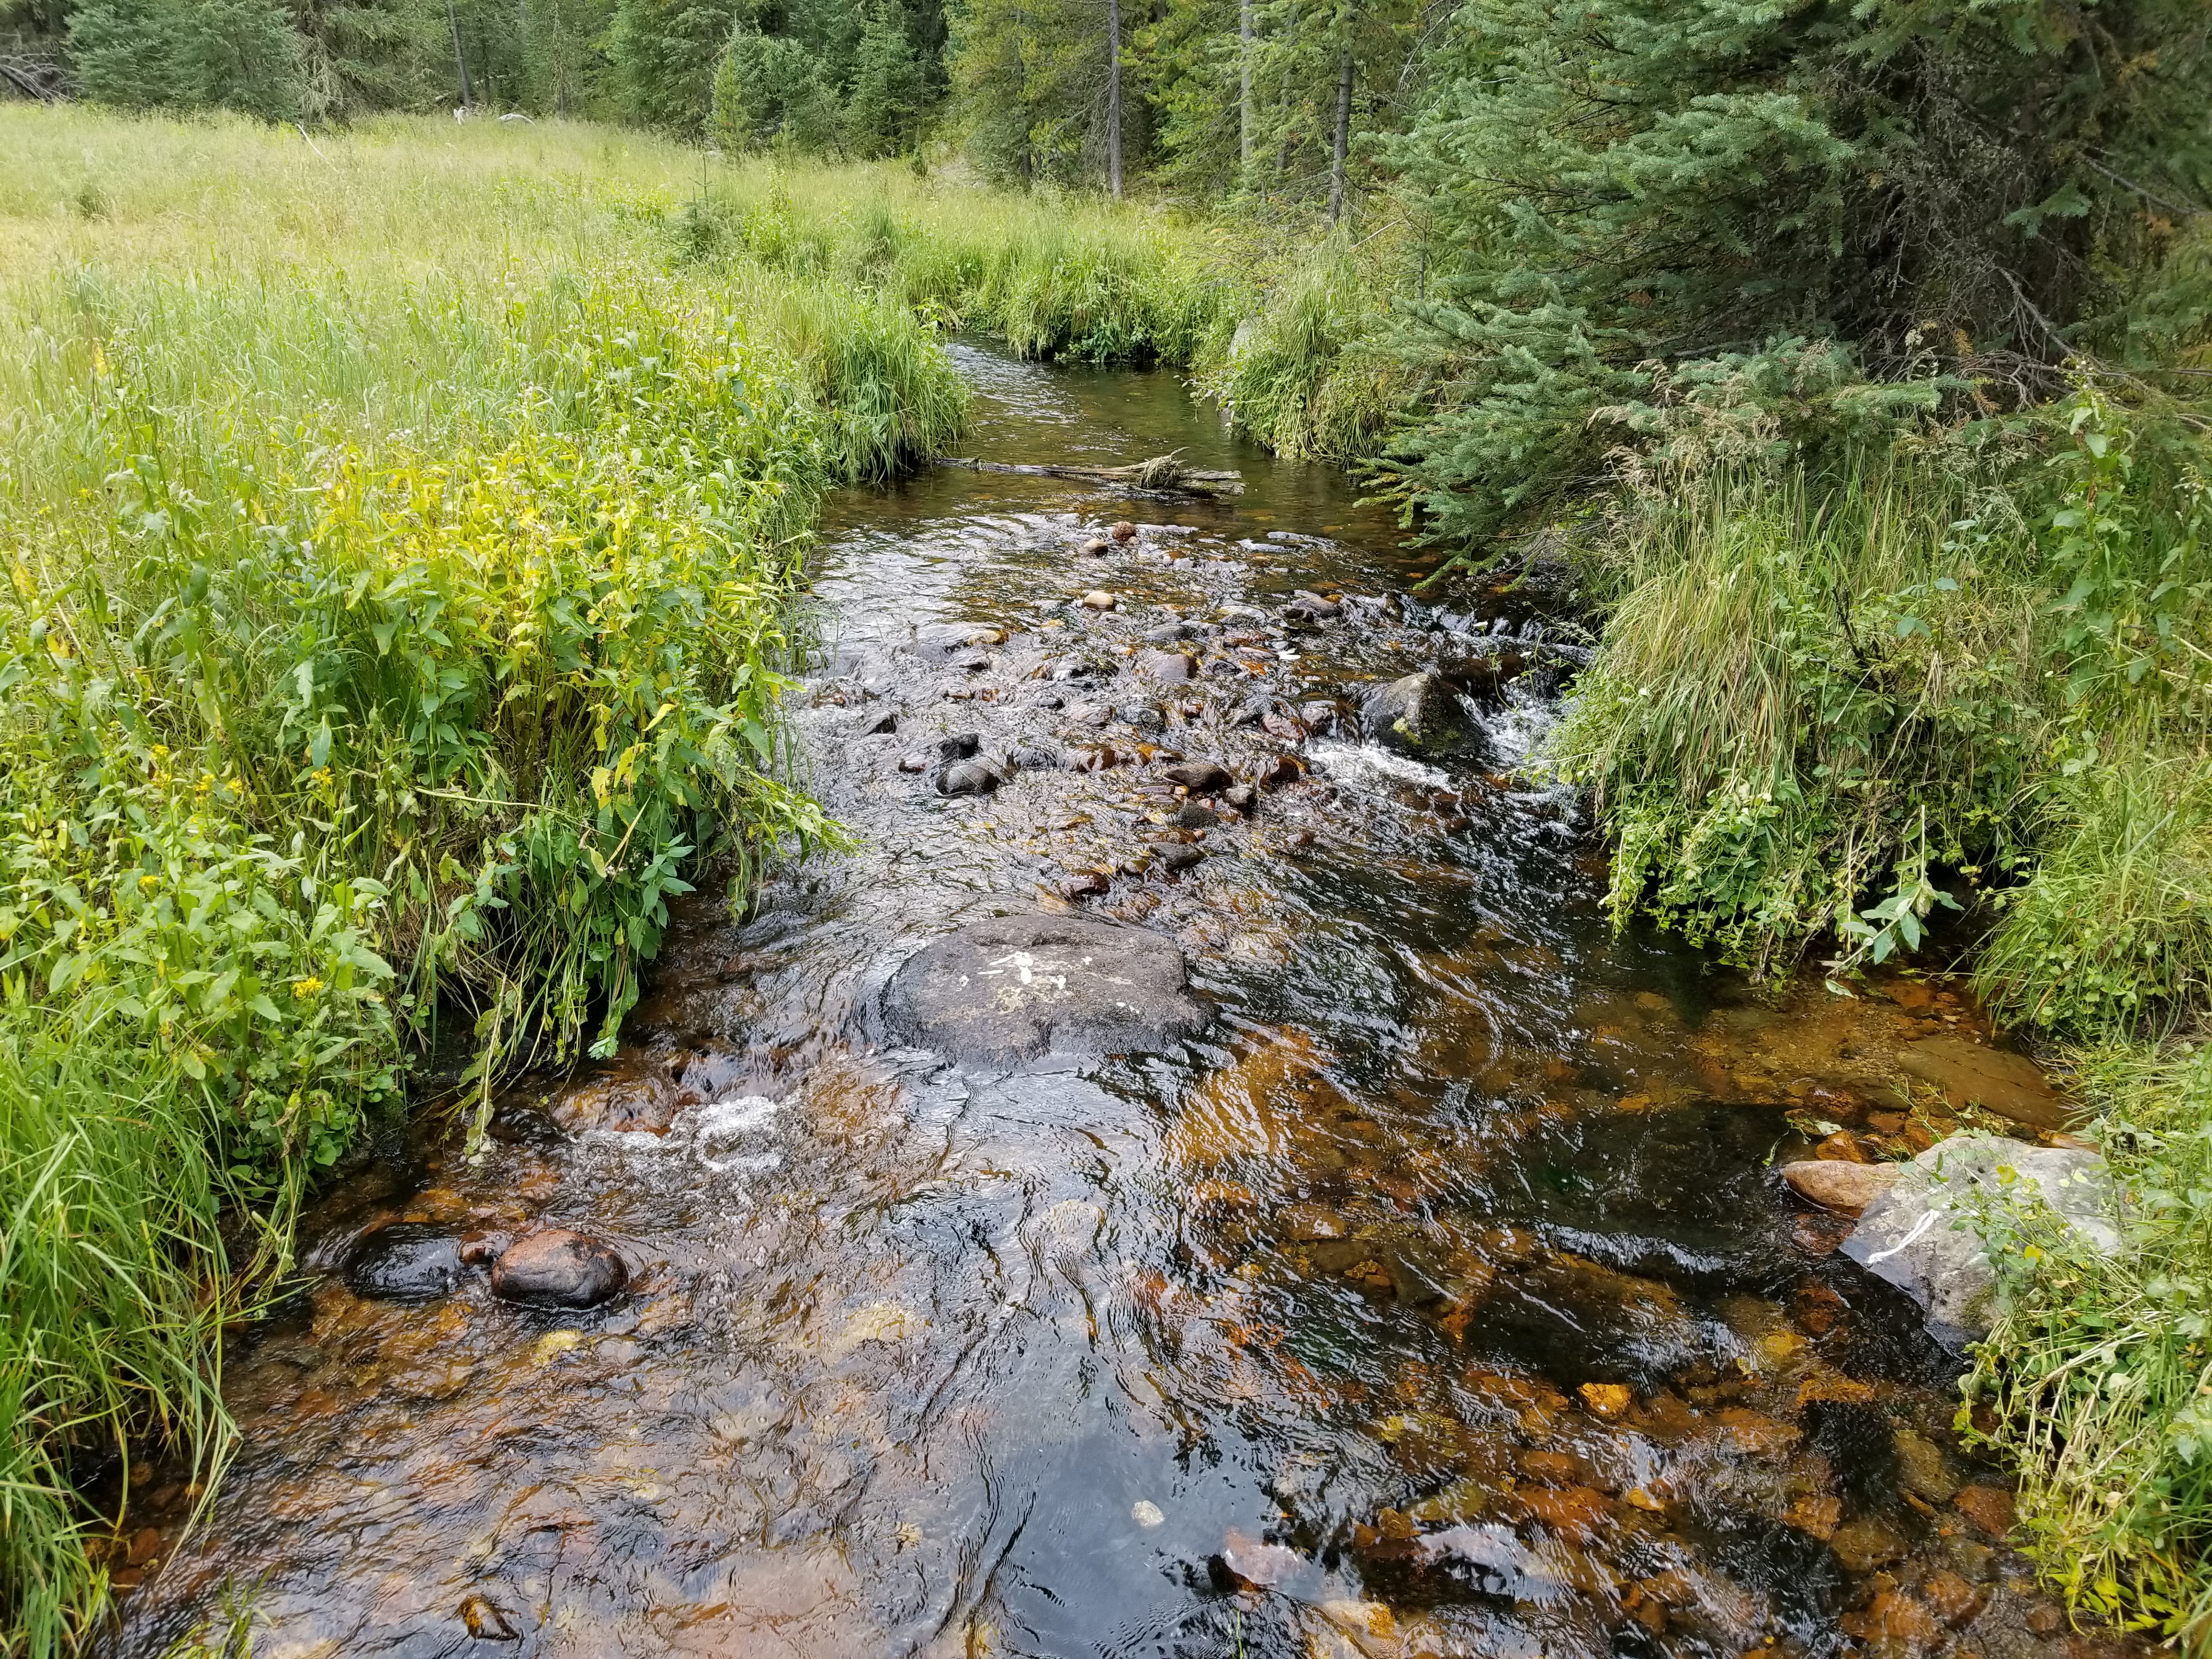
x,y
240,55
664,55
1638,193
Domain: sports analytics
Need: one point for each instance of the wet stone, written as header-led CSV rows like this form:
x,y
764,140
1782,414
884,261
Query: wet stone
x,y
404,1262
1421,714
1969,1074
1191,817
1241,798
968,777
1844,1188
950,637
1177,858
1015,987
1166,666
558,1268
1277,771
1200,777
1142,715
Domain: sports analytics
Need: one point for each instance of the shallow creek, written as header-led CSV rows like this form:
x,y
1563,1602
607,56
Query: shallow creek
x,y
1440,1298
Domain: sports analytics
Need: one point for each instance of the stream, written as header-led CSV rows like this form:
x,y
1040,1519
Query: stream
x,y
1436,1295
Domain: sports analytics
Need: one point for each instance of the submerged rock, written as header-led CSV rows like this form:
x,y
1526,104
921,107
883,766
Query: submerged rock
x,y
968,777
1200,777
1015,987
1969,1074
1919,1235
404,1262
1421,714
558,1268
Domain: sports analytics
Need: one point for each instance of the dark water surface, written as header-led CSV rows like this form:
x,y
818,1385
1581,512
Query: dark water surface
x,y
1440,1299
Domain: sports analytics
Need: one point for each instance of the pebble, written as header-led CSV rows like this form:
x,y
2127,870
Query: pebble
x,y
1083,883
1606,1400
1175,858
1140,715
967,777
1314,608
1278,770
1170,666
959,745
1200,777
916,760
1125,531
1097,599
1191,816
1990,1508
1146,1514
1240,798
1833,1184
877,724
1095,546
558,1268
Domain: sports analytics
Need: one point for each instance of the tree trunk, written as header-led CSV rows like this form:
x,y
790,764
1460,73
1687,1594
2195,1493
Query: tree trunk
x,y
460,63
1343,145
1244,112
1114,97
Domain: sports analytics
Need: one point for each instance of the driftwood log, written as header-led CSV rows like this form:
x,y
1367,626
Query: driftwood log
x,y
1164,475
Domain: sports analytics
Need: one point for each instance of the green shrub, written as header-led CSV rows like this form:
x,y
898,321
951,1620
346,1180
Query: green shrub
x,y
1806,692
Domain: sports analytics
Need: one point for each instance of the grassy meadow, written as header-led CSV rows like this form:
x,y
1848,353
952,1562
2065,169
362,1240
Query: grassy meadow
x,y
400,530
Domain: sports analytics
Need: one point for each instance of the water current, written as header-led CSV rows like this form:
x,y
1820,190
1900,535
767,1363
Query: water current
x,y
1438,1297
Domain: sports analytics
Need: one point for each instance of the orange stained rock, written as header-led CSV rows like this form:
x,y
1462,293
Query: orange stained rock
x,y
1578,1512
1990,1508
1892,1616
1607,1400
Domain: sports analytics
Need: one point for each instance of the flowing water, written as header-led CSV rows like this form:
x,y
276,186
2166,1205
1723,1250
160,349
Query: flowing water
x,y
1439,1297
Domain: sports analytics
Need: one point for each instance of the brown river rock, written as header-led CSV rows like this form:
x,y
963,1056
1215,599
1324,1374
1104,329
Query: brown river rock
x,y
1844,1188
558,1268
1971,1074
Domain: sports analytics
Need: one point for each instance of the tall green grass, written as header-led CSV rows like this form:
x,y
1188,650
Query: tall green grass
x,y
398,549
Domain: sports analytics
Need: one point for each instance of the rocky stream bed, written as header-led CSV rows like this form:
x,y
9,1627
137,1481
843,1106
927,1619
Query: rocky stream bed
x,y
1202,1177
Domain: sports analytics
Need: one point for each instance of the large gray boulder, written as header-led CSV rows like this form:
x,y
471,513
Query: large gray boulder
x,y
1013,988
1422,714
1920,1236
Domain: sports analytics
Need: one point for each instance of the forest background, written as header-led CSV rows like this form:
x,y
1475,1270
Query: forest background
x,y
1841,366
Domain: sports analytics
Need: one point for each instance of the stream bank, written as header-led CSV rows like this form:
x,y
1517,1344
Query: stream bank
x,y
1432,1290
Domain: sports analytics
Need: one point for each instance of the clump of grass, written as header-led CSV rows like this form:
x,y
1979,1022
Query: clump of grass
x,y
2098,1372
1804,693
2113,929
395,587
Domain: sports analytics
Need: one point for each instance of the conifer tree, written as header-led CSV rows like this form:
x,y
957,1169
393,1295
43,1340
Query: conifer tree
x,y
240,55
1705,192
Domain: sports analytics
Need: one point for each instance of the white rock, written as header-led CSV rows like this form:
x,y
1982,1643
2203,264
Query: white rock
x,y
1920,1234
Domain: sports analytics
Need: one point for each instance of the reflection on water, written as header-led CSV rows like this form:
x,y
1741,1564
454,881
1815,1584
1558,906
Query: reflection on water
x,y
1441,1299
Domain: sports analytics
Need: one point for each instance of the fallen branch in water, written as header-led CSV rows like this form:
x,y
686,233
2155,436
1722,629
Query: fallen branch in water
x,y
1163,473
